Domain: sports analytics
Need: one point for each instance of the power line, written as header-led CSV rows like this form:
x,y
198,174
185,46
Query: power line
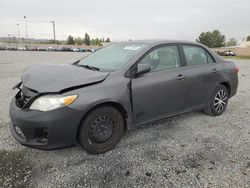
x,y
19,20
33,21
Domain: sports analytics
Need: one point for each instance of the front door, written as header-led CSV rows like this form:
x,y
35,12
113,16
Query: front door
x,y
161,91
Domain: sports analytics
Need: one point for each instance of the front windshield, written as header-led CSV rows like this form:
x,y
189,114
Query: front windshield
x,y
112,57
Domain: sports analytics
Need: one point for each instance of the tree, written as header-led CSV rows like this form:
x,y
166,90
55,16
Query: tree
x,y
248,38
232,42
212,39
206,39
70,40
218,39
96,42
108,40
78,41
87,39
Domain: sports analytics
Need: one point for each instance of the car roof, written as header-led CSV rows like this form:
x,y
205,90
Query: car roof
x,y
154,42
160,41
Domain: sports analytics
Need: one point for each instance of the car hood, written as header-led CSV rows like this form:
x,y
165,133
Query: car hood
x,y
55,78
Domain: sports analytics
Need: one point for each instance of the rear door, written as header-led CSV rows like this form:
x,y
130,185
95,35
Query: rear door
x,y
161,91
201,73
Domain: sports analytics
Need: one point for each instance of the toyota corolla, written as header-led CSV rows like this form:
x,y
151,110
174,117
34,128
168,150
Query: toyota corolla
x,y
93,101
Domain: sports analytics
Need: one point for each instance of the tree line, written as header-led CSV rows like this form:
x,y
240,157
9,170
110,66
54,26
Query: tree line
x,y
86,40
215,39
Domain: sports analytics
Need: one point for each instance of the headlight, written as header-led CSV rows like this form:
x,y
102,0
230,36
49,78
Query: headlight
x,y
51,102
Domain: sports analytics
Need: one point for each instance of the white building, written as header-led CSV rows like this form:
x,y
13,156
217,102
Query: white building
x,y
245,44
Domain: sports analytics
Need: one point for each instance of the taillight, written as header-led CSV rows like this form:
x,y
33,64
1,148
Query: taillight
x,y
237,69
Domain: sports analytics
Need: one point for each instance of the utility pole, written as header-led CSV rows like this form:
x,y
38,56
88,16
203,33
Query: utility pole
x,y
26,26
18,32
54,30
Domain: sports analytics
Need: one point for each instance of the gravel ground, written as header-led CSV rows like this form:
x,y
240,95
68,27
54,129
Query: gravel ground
x,y
190,150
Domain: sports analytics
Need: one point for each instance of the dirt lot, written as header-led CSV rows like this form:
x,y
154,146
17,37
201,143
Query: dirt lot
x,y
190,150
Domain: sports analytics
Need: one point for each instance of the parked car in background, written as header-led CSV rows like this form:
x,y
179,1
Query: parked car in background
x,y
125,85
58,49
2,48
82,50
75,49
229,53
66,49
50,49
220,53
21,48
41,49
31,48
11,48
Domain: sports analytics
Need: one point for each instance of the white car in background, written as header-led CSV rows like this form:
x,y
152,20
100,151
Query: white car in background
x,y
229,53
21,48
75,49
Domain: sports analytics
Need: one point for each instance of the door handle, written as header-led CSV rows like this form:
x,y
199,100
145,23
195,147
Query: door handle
x,y
180,77
214,70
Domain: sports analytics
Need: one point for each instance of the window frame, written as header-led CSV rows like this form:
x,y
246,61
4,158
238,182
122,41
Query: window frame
x,y
132,70
209,54
197,46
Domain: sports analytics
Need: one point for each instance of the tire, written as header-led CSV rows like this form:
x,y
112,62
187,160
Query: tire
x,y
218,101
101,130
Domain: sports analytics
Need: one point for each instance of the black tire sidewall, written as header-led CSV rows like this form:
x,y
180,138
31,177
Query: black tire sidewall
x,y
83,135
211,105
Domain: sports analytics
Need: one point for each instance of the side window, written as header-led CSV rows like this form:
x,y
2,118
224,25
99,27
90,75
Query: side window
x,y
195,55
209,58
162,58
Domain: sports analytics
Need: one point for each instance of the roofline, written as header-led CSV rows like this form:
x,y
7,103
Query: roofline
x,y
158,41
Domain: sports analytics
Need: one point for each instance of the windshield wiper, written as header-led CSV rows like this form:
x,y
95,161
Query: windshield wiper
x,y
89,67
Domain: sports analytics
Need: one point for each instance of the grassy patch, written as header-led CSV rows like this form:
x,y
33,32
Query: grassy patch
x,y
237,57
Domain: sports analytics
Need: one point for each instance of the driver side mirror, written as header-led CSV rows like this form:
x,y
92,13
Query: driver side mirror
x,y
142,69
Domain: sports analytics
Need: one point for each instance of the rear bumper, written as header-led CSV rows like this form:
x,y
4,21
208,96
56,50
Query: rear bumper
x,y
234,86
44,130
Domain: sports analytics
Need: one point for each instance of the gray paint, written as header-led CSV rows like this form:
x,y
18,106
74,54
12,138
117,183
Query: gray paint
x,y
146,98
55,78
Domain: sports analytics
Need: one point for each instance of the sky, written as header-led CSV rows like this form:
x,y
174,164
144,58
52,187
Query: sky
x,y
122,20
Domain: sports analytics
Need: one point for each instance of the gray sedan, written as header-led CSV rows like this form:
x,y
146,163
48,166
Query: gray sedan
x,y
94,100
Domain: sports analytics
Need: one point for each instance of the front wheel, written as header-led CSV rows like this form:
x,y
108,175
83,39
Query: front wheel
x,y
218,101
101,130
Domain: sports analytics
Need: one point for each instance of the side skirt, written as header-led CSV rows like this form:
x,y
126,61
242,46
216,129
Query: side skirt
x,y
200,107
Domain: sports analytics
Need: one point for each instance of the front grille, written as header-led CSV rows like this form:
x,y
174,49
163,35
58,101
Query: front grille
x,y
24,96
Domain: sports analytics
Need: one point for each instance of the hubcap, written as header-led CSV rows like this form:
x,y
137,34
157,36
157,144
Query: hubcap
x,y
220,101
101,129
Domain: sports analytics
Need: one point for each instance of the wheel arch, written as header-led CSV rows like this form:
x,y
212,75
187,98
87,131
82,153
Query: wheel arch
x,y
117,105
228,86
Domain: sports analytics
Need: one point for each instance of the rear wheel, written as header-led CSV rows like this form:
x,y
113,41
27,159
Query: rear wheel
x,y
218,101
101,130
